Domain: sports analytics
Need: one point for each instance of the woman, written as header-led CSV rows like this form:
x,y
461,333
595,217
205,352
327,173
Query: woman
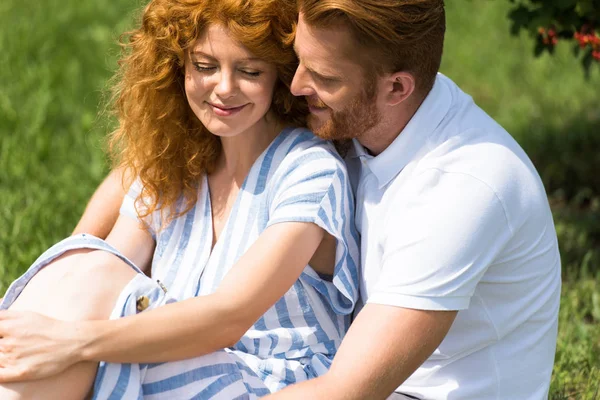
x,y
243,221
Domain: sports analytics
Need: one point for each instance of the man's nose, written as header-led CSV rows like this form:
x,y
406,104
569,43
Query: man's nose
x,y
301,83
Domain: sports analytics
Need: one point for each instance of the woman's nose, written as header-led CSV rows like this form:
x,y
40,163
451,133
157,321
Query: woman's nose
x,y
226,85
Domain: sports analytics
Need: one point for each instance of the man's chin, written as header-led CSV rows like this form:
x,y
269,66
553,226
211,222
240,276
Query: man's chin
x,y
325,131
315,123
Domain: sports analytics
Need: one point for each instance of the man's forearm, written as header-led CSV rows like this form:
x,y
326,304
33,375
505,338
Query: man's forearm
x,y
102,210
315,389
383,347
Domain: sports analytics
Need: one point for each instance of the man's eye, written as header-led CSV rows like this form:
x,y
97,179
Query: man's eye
x,y
204,67
326,79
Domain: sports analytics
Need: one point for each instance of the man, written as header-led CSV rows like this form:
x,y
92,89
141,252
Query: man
x,y
460,263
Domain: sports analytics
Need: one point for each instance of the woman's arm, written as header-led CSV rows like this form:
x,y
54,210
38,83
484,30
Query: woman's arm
x,y
35,346
176,331
102,210
133,240
204,324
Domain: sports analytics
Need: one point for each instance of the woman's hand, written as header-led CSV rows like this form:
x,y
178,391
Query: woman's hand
x,y
33,346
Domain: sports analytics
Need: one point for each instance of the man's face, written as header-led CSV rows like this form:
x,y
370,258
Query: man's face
x,y
342,101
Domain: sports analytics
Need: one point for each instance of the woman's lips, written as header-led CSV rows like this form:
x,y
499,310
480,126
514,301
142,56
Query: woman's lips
x,y
225,111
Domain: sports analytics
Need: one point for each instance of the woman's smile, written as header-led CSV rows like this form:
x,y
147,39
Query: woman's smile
x,y
225,111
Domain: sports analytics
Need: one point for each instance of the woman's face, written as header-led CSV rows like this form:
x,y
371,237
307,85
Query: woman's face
x,y
227,87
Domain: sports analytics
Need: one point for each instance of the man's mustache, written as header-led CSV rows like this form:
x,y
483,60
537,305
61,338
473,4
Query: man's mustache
x,y
317,103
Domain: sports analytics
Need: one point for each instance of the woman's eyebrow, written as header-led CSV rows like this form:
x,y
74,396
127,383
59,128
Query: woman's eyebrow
x,y
202,54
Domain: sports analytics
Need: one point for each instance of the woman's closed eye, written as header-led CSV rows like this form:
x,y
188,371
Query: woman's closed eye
x,y
204,67
200,67
251,72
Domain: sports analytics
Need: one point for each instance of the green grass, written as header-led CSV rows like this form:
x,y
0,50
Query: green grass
x,y
56,56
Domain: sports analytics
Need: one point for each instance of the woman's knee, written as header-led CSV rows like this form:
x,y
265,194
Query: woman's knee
x,y
106,277
76,287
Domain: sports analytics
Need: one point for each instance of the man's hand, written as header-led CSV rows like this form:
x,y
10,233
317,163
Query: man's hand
x,y
384,346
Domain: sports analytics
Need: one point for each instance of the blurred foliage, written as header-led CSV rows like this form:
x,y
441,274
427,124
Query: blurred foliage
x,y
578,231
549,21
568,159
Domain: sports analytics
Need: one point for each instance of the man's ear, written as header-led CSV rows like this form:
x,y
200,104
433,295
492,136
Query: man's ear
x,y
399,86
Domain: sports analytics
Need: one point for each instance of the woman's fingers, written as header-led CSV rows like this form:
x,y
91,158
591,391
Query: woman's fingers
x,y
4,318
9,370
32,346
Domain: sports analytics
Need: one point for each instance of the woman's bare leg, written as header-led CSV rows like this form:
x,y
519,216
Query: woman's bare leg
x,y
81,285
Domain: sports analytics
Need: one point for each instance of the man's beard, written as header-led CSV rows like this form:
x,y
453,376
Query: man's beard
x,y
358,117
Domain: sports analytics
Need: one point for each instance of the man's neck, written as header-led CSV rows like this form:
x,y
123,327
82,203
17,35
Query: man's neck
x,y
393,122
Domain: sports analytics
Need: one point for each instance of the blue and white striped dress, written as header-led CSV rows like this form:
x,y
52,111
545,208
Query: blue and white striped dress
x,y
299,177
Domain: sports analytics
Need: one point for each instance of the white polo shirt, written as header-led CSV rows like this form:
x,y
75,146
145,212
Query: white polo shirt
x,y
454,216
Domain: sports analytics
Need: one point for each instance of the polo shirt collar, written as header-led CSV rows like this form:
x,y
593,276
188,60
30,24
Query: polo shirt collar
x,y
399,153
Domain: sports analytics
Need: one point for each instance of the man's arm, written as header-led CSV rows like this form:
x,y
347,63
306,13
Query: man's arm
x,y
421,268
102,210
384,346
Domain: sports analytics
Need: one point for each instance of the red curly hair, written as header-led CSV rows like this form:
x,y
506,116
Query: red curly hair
x,y
159,139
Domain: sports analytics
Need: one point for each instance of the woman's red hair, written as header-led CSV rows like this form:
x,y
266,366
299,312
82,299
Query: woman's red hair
x,y
159,139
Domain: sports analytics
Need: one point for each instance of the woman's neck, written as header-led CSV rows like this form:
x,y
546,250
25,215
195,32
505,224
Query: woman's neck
x,y
241,151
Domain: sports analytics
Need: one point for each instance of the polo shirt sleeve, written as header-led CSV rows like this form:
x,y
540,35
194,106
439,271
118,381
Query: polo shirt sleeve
x,y
439,241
